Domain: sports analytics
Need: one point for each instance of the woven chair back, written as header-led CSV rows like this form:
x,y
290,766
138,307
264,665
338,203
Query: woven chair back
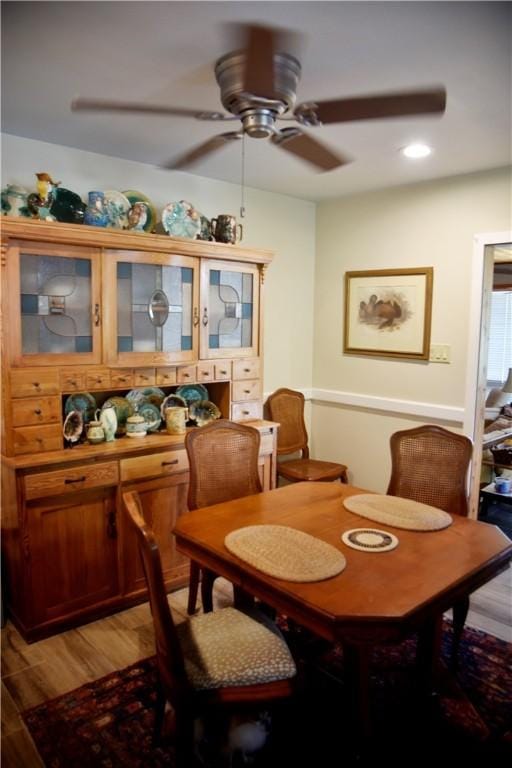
x,y
168,649
430,464
223,458
286,406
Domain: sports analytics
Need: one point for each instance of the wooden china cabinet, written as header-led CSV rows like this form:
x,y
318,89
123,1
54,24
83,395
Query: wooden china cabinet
x,y
102,311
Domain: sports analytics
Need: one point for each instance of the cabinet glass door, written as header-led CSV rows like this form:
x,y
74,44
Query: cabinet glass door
x,y
155,314
59,310
229,315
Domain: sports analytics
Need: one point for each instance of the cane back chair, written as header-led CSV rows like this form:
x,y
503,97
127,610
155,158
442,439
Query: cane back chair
x,y
430,464
286,406
221,658
223,459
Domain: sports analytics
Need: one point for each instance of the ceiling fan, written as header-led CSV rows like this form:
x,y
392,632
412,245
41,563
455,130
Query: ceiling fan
x,y
258,87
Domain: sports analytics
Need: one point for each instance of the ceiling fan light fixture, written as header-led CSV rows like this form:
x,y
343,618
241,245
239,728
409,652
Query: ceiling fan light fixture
x,y
416,151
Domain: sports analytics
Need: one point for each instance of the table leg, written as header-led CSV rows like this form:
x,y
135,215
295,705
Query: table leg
x,y
357,675
428,658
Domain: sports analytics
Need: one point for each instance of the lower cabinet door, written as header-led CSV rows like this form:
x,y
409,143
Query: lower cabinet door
x,y
73,553
163,501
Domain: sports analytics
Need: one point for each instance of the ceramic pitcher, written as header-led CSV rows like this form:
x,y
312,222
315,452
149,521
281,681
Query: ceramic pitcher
x,y
176,420
224,228
95,432
108,421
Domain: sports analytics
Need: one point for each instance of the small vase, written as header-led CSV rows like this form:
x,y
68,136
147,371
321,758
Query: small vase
x,y
96,214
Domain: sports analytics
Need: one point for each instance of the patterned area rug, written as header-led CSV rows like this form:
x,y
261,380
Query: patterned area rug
x,y
108,723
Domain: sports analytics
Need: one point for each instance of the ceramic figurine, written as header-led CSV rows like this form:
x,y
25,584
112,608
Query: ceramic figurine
x,y
137,216
96,214
41,202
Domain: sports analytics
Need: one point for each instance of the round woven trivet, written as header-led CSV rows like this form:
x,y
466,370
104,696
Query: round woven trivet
x,y
398,512
285,553
369,540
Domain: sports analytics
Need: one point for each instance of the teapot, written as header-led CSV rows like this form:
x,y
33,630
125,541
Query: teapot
x,y
176,420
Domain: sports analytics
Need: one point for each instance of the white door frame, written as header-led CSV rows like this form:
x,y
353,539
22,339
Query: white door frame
x,y
481,285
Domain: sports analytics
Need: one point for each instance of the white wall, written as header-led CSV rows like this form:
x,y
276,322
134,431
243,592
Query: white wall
x,y
276,222
429,224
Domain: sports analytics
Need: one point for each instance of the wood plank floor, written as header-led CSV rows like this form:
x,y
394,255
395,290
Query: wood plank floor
x,y
34,673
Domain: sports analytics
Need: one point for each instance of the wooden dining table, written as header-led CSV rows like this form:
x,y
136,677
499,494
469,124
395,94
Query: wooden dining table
x,y
379,597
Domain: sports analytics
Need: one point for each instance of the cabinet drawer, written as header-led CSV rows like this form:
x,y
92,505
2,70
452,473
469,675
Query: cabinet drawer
x,y
35,439
72,480
153,465
246,390
30,383
223,371
97,380
165,377
205,371
144,377
71,381
121,378
186,374
266,444
37,410
249,368
249,410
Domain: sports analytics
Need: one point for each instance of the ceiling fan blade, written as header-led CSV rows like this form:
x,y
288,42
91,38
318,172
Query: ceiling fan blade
x,y
105,105
372,107
197,153
312,151
259,61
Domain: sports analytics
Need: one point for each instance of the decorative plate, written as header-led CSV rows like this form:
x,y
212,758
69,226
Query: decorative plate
x,y
369,540
147,395
191,392
83,402
151,415
172,401
117,206
73,426
123,409
67,206
181,219
134,196
204,411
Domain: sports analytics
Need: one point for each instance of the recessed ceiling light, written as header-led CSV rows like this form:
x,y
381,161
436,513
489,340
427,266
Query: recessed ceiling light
x,y
416,150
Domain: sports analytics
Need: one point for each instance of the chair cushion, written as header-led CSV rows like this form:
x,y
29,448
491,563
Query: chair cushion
x,y
229,648
310,470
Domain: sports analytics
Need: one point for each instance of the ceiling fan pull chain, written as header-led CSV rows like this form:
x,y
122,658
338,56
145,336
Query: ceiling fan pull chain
x,y
242,200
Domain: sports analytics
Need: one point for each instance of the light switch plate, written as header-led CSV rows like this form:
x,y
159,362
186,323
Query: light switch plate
x,y
440,353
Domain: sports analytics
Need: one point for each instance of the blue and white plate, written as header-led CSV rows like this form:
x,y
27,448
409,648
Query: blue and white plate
x,y
83,402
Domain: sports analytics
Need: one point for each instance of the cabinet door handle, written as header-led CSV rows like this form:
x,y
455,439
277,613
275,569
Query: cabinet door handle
x,y
97,318
196,317
169,463
111,525
70,480
205,316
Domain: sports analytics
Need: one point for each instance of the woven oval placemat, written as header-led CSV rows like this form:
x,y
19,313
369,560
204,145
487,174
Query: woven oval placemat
x,y
398,512
285,553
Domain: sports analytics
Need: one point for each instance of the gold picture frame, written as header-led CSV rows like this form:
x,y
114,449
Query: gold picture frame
x,y
388,312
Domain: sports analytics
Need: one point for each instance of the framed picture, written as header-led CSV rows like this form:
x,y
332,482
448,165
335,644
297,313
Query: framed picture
x,y
388,312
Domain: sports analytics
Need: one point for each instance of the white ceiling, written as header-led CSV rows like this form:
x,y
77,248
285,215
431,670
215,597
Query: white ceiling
x,y
164,52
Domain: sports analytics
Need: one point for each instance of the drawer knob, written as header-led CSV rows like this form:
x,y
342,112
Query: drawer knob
x,y
247,391
223,373
98,381
169,463
36,384
186,375
38,411
122,380
246,413
247,370
70,480
205,373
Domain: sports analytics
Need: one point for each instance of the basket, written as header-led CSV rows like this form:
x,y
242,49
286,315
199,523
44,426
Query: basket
x,y
502,454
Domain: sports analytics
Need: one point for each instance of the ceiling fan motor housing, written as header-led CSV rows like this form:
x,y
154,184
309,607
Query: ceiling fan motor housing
x,y
258,113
